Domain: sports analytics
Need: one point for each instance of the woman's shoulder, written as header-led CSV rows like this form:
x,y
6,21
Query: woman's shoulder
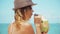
x,y
11,25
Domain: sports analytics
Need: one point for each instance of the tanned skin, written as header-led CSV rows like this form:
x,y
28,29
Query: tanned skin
x,y
20,25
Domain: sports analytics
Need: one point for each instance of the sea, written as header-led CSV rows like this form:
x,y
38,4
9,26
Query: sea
x,y
53,28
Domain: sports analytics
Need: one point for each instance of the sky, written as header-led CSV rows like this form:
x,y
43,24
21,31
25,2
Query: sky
x,y
50,9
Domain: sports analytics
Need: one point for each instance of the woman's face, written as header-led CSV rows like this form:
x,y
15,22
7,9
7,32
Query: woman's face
x,y
28,13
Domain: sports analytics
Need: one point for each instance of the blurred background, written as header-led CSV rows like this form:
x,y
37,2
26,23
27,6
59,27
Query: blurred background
x,y
50,9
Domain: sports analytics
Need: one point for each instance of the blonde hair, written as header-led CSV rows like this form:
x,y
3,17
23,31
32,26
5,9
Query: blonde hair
x,y
20,14
21,11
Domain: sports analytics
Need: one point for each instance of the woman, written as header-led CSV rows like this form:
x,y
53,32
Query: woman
x,y
22,15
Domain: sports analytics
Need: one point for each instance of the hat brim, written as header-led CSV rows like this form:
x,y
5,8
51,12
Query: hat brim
x,y
25,6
